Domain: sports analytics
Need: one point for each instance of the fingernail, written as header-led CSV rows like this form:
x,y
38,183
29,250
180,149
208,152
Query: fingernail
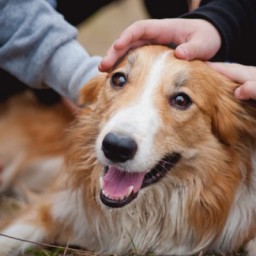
x,y
239,94
182,53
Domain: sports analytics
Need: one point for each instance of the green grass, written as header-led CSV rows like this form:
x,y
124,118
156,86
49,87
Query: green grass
x,y
56,252
9,206
44,252
64,252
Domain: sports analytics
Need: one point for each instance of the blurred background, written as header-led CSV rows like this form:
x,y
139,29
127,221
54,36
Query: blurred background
x,y
99,31
99,23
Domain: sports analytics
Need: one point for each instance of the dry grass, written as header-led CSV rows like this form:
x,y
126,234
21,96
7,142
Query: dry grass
x,y
10,205
64,252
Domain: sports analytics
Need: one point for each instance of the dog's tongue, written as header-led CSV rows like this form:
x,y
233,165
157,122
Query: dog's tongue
x,y
116,183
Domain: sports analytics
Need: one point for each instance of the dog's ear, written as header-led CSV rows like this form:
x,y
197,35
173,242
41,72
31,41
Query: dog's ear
x,y
88,95
232,119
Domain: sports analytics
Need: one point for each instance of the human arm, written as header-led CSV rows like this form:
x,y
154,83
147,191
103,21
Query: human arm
x,y
40,48
244,75
195,38
222,25
234,19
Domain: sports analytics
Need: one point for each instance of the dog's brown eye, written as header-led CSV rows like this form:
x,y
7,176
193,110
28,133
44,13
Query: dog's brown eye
x,y
118,79
181,100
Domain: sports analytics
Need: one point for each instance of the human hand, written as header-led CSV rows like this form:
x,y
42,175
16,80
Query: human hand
x,y
244,75
195,39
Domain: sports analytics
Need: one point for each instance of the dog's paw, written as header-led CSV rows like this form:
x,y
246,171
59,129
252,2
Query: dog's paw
x,y
16,238
8,246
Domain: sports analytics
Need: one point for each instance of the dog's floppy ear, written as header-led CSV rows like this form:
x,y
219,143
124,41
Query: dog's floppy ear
x,y
88,95
232,118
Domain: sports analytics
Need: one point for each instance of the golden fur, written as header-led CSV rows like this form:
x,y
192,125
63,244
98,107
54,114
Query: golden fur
x,y
32,139
207,201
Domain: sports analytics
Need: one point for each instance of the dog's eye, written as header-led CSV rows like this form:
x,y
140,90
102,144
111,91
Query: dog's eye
x,y
118,79
181,100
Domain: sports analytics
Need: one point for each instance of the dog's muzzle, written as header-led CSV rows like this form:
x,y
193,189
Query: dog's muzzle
x,y
119,187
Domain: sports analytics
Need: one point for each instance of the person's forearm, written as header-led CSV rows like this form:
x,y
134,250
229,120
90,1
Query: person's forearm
x,y
230,17
67,73
39,47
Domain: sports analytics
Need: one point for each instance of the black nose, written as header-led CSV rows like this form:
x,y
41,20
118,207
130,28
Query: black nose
x,y
119,148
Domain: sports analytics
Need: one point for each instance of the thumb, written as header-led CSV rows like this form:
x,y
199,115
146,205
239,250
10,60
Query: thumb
x,y
181,52
246,91
196,48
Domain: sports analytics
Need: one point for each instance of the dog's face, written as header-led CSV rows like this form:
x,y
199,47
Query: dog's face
x,y
166,122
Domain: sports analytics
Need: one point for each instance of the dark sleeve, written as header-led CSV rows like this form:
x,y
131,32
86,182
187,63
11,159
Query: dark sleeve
x,y
231,18
158,9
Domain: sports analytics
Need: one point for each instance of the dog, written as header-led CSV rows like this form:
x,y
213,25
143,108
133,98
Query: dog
x,y
160,158
31,143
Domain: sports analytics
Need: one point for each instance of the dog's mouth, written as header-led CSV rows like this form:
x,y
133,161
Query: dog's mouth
x,y
119,188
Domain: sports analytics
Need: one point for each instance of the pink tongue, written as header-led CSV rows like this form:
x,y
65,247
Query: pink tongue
x,y
116,183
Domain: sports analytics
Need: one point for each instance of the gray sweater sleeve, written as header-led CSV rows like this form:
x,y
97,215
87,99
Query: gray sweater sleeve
x,y
40,48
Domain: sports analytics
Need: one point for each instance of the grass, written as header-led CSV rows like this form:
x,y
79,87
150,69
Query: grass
x,y
66,252
44,252
9,205
39,251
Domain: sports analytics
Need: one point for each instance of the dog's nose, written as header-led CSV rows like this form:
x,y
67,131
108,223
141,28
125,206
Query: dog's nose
x,y
119,148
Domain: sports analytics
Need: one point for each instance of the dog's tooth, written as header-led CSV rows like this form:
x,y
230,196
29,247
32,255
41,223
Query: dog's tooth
x,y
121,198
104,193
101,182
117,198
129,191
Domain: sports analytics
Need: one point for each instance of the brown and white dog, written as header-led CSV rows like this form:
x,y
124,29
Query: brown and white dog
x,y
162,160
31,143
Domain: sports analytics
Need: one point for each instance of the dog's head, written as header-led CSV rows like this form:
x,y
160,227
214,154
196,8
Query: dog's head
x,y
159,120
